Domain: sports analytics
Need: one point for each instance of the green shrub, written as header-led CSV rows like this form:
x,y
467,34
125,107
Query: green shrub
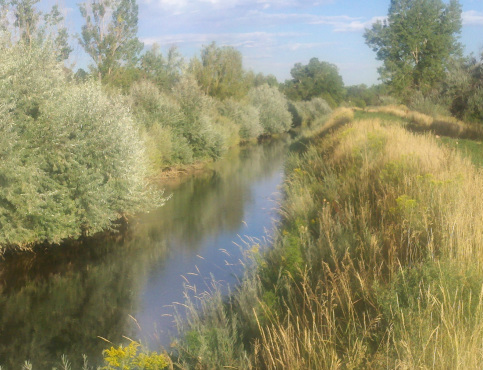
x,y
312,110
29,75
247,117
147,102
81,167
197,125
160,114
158,140
430,105
273,107
389,100
181,127
297,118
229,131
73,163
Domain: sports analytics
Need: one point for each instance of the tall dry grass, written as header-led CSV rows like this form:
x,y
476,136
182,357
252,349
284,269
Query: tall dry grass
x,y
390,229
378,262
438,124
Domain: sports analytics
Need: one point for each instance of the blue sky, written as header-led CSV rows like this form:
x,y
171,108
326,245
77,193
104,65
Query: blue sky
x,y
273,35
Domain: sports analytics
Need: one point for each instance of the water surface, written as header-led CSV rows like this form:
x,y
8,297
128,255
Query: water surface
x,y
64,300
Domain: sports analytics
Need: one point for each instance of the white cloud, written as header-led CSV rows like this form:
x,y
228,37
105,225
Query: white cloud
x,y
188,5
358,26
200,11
296,46
472,17
238,40
214,15
344,23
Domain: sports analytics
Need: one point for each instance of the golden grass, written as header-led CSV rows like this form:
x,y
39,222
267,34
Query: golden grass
x,y
338,118
396,110
379,261
420,169
440,125
405,203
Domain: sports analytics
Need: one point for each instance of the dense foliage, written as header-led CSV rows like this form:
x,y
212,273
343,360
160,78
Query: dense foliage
x,y
76,154
165,72
462,90
377,263
72,159
305,113
316,79
416,43
362,96
219,72
273,107
246,116
109,35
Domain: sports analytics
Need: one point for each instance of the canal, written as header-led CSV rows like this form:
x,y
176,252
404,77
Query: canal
x,y
70,299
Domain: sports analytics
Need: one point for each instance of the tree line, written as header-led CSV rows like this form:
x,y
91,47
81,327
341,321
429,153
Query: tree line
x,y
77,146
423,62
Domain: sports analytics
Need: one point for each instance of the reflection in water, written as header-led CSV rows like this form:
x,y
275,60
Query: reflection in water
x,y
61,301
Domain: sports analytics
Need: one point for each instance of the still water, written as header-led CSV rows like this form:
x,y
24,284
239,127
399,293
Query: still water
x,y
63,301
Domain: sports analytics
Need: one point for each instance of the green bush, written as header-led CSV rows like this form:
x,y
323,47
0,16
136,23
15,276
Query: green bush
x,y
247,117
430,105
198,125
158,140
181,127
310,111
72,159
273,107
29,75
146,102
158,113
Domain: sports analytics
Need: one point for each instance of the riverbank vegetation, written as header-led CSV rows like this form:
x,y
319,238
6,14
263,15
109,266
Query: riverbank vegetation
x,y
377,259
376,263
56,301
77,150
72,160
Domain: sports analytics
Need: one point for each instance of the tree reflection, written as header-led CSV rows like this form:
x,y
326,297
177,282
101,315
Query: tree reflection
x,y
215,201
62,300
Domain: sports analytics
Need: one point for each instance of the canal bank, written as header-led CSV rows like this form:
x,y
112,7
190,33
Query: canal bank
x,y
62,301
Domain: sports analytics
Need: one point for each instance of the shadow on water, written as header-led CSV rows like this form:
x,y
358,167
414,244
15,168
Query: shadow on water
x,y
62,300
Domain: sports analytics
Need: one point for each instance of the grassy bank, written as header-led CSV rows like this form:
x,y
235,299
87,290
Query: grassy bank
x,y
456,134
469,148
419,122
377,263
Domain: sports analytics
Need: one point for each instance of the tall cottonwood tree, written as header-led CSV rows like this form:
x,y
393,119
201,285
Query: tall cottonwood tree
x,y
30,25
26,18
109,34
165,72
316,79
416,42
220,72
